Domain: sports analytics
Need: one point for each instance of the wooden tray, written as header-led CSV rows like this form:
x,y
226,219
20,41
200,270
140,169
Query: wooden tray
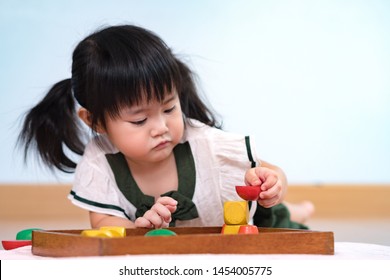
x,y
189,240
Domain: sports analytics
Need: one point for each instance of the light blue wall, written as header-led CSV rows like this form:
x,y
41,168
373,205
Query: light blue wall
x,y
310,80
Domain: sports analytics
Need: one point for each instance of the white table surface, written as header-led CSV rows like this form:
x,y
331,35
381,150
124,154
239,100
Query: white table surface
x,y
343,251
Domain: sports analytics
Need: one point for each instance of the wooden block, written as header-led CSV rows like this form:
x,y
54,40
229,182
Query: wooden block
x,y
94,233
26,234
105,232
160,232
230,229
236,212
120,230
248,229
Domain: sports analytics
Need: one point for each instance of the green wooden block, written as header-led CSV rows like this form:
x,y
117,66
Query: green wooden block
x,y
25,234
160,232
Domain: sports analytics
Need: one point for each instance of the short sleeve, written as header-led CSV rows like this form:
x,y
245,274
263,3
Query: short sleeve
x,y
94,187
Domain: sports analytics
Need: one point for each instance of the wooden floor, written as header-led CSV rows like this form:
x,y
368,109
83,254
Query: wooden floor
x,y
374,231
353,213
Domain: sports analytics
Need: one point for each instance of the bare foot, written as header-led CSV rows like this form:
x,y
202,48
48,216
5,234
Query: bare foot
x,y
300,212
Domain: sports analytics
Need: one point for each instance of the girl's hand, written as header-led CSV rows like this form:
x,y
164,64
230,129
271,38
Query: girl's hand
x,y
159,215
271,184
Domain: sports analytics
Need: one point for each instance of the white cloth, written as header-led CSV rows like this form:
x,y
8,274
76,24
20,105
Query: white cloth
x,y
221,159
350,261
343,251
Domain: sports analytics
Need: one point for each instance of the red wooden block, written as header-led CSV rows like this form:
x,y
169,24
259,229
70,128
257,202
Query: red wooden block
x,y
248,192
13,244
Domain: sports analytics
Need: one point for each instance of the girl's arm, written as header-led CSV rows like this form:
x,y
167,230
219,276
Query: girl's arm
x,y
99,220
157,217
273,183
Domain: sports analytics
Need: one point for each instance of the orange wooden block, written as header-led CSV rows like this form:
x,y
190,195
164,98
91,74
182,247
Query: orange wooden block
x,y
230,229
248,229
236,212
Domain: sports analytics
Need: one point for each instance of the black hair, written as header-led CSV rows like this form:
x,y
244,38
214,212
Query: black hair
x,y
113,67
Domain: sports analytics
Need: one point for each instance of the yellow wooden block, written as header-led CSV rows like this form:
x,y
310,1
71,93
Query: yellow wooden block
x,y
236,212
105,232
230,229
94,233
120,230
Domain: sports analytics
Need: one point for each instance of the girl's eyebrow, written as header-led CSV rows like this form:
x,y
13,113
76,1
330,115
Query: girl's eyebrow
x,y
141,109
169,99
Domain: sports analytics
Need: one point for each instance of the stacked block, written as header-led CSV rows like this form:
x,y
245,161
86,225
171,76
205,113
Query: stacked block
x,y
236,212
236,218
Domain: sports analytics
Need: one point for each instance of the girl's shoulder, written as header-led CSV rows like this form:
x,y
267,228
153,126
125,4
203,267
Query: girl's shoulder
x,y
98,147
198,130
219,143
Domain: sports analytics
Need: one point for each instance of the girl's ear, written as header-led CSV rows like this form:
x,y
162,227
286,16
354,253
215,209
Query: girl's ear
x,y
85,116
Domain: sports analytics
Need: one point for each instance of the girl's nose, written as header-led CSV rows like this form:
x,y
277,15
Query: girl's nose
x,y
159,126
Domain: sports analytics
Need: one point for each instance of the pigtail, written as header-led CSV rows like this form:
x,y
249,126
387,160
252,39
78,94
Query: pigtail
x,y
192,105
51,127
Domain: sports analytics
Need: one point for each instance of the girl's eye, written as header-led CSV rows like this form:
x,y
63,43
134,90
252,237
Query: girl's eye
x,y
141,122
170,109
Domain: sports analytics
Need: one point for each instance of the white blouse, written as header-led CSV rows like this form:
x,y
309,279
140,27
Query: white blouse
x,y
218,160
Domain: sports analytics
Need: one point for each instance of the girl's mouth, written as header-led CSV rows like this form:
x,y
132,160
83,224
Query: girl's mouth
x,y
162,145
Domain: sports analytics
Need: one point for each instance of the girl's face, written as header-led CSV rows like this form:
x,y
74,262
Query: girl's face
x,y
148,132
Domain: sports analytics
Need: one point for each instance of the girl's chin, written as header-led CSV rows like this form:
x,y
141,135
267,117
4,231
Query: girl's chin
x,y
154,156
160,155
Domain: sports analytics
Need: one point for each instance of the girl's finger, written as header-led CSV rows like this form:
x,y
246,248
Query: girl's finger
x,y
267,203
251,177
143,223
166,201
155,219
268,177
162,211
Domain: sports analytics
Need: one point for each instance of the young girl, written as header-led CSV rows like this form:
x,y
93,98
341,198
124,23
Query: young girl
x,y
157,156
